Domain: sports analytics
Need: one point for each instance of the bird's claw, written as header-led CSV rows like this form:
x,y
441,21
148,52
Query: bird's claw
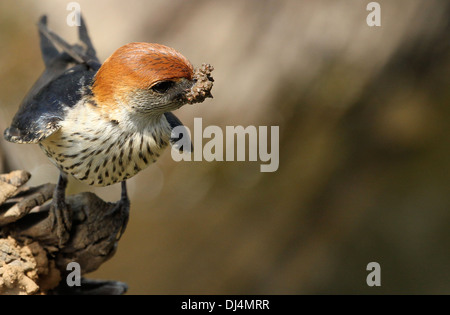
x,y
62,220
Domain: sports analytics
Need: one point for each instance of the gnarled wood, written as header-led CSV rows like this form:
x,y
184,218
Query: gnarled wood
x,y
32,261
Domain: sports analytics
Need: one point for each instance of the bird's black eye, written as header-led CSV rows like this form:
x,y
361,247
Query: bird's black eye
x,y
163,86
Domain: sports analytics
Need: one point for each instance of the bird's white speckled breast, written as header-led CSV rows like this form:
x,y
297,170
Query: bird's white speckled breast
x,y
102,152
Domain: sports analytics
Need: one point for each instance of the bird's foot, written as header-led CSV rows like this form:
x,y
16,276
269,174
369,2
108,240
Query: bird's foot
x,y
62,220
61,212
123,208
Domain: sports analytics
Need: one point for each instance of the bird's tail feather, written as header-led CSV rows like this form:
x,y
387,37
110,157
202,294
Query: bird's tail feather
x,y
49,51
59,60
84,52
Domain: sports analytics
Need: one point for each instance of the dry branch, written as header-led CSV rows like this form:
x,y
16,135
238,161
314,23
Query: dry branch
x,y
31,259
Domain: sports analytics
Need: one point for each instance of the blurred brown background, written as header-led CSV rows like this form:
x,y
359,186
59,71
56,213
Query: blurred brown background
x,y
364,144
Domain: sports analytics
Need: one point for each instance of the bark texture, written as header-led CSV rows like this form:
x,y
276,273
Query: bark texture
x,y
32,261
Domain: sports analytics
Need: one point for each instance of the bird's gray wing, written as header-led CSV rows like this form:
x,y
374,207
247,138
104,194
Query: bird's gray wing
x,y
67,70
175,138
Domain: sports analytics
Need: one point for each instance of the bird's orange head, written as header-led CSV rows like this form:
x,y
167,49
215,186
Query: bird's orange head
x,y
144,78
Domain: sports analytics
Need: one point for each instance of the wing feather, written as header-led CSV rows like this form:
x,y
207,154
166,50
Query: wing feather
x,y
174,141
58,88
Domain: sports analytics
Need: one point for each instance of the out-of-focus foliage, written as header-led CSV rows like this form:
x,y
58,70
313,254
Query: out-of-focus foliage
x,y
364,147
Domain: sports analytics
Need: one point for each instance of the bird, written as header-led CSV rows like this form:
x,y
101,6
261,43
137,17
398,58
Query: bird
x,y
102,123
